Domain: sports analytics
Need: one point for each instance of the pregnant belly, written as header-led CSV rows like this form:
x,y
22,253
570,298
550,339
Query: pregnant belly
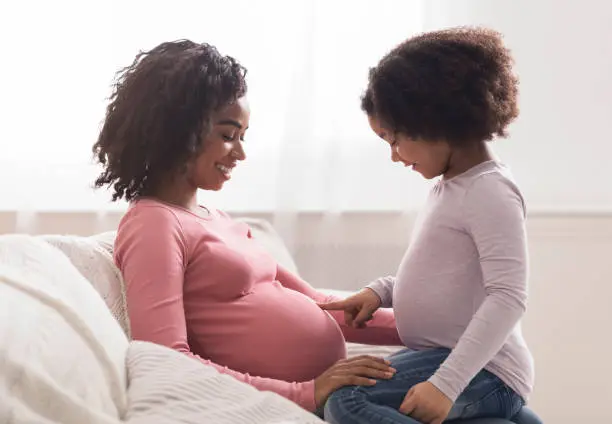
x,y
277,333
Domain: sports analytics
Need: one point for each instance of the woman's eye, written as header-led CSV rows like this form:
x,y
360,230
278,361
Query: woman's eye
x,y
227,138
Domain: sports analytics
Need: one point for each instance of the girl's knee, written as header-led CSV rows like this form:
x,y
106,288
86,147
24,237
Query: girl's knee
x,y
328,414
339,403
343,394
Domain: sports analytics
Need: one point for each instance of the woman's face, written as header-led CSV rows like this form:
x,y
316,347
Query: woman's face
x,y
222,148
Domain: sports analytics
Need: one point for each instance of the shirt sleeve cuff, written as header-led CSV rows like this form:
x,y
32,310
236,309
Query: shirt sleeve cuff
x,y
306,396
447,389
382,289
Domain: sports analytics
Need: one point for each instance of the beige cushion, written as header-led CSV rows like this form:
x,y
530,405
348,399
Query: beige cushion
x,y
93,257
105,241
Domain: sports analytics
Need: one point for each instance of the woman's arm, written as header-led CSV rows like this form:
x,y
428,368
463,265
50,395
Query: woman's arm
x,y
494,216
152,253
380,330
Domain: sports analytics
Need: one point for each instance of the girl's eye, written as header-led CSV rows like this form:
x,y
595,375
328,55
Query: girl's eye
x,y
227,138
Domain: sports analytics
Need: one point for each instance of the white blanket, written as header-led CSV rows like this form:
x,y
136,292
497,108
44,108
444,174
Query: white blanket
x,y
169,387
62,354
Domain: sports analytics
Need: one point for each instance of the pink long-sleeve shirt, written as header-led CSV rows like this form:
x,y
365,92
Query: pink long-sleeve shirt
x,y
202,286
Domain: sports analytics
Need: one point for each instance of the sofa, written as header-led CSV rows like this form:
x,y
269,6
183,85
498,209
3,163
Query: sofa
x,y
67,357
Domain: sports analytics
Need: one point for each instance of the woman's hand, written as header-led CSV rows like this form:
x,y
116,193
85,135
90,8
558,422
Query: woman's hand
x,y
358,309
358,371
424,402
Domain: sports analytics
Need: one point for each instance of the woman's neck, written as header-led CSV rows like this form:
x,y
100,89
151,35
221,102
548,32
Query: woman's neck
x,y
464,158
178,192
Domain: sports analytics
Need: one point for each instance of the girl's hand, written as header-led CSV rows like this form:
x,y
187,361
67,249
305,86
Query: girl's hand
x,y
359,371
424,402
358,309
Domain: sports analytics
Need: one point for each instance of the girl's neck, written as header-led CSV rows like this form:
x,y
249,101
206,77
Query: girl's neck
x,y
464,158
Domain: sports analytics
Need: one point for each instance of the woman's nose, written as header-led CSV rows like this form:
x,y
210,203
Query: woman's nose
x,y
239,152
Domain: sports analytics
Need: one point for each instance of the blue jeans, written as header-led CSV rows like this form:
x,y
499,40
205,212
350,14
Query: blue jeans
x,y
485,396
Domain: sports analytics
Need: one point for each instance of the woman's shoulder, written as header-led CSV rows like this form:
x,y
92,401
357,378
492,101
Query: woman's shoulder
x,y
148,228
149,212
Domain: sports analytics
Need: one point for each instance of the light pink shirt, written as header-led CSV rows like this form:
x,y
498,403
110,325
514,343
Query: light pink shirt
x,y
204,287
462,283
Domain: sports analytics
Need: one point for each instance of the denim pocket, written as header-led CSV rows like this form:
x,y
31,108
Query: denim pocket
x,y
516,402
500,402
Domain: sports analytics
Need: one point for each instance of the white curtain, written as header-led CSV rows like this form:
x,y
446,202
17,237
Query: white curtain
x,y
309,146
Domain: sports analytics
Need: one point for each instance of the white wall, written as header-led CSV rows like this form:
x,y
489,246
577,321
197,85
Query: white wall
x,y
570,314
561,144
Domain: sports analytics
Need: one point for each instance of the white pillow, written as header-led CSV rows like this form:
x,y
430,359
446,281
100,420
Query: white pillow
x,y
94,260
62,355
165,386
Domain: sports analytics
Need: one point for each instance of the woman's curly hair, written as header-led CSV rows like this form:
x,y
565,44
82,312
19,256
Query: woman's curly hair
x,y
160,110
455,85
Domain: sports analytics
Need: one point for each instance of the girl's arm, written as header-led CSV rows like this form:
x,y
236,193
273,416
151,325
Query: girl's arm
x,y
379,331
383,287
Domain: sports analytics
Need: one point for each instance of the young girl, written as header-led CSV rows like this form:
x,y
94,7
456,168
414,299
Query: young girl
x,y
461,287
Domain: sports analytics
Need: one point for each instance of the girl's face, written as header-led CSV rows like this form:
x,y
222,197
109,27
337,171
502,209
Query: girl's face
x,y
430,158
223,147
